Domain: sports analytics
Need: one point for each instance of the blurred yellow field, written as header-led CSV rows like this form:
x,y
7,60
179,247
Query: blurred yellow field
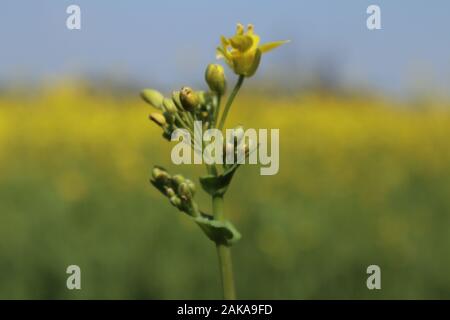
x,y
362,180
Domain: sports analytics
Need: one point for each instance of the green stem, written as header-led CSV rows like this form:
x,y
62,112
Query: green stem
x,y
216,110
224,254
230,101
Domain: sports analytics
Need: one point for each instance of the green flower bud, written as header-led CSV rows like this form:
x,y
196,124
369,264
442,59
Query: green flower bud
x,y
170,106
189,99
204,115
184,191
215,77
204,97
175,201
153,97
158,118
170,193
160,174
178,179
176,100
191,186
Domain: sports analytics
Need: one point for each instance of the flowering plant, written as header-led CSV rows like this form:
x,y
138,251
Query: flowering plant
x,y
184,110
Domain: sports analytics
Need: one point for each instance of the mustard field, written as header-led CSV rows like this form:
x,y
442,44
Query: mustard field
x,y
362,181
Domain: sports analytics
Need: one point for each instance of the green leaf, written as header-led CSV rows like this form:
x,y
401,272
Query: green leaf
x,y
222,232
217,185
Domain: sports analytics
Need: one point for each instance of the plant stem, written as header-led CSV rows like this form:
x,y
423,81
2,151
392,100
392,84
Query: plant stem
x,y
230,101
224,254
218,99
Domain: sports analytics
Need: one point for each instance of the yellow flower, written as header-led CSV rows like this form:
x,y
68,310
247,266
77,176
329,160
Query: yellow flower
x,y
242,53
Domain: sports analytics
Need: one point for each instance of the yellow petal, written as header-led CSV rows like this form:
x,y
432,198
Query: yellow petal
x,y
256,60
221,53
266,47
250,29
239,29
224,41
241,43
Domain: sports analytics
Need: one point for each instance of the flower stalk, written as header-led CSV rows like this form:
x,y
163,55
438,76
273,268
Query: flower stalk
x,y
224,254
230,101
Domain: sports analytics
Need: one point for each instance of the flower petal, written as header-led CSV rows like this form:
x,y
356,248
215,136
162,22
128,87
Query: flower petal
x,y
266,47
239,29
256,60
224,41
222,53
241,43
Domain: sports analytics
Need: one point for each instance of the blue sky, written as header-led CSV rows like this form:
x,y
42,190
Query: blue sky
x,y
170,42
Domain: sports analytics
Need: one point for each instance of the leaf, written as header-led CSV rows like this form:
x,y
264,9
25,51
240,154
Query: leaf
x,y
217,185
222,232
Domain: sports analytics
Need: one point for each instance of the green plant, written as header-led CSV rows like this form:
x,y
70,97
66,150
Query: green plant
x,y
183,110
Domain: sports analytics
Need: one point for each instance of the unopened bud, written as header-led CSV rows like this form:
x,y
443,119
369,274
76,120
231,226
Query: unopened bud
x,y
175,201
170,193
178,179
215,77
184,191
204,115
160,174
176,100
189,99
152,97
158,118
191,186
170,106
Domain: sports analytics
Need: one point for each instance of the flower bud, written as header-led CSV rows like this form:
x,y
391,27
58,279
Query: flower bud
x,y
158,118
160,175
215,77
170,193
175,201
191,186
170,106
178,179
204,115
152,97
203,97
184,191
176,100
189,99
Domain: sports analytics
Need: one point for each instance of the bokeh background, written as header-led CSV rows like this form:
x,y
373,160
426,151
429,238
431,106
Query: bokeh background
x,y
364,120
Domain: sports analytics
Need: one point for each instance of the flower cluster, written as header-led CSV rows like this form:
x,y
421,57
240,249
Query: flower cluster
x,y
180,110
179,190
